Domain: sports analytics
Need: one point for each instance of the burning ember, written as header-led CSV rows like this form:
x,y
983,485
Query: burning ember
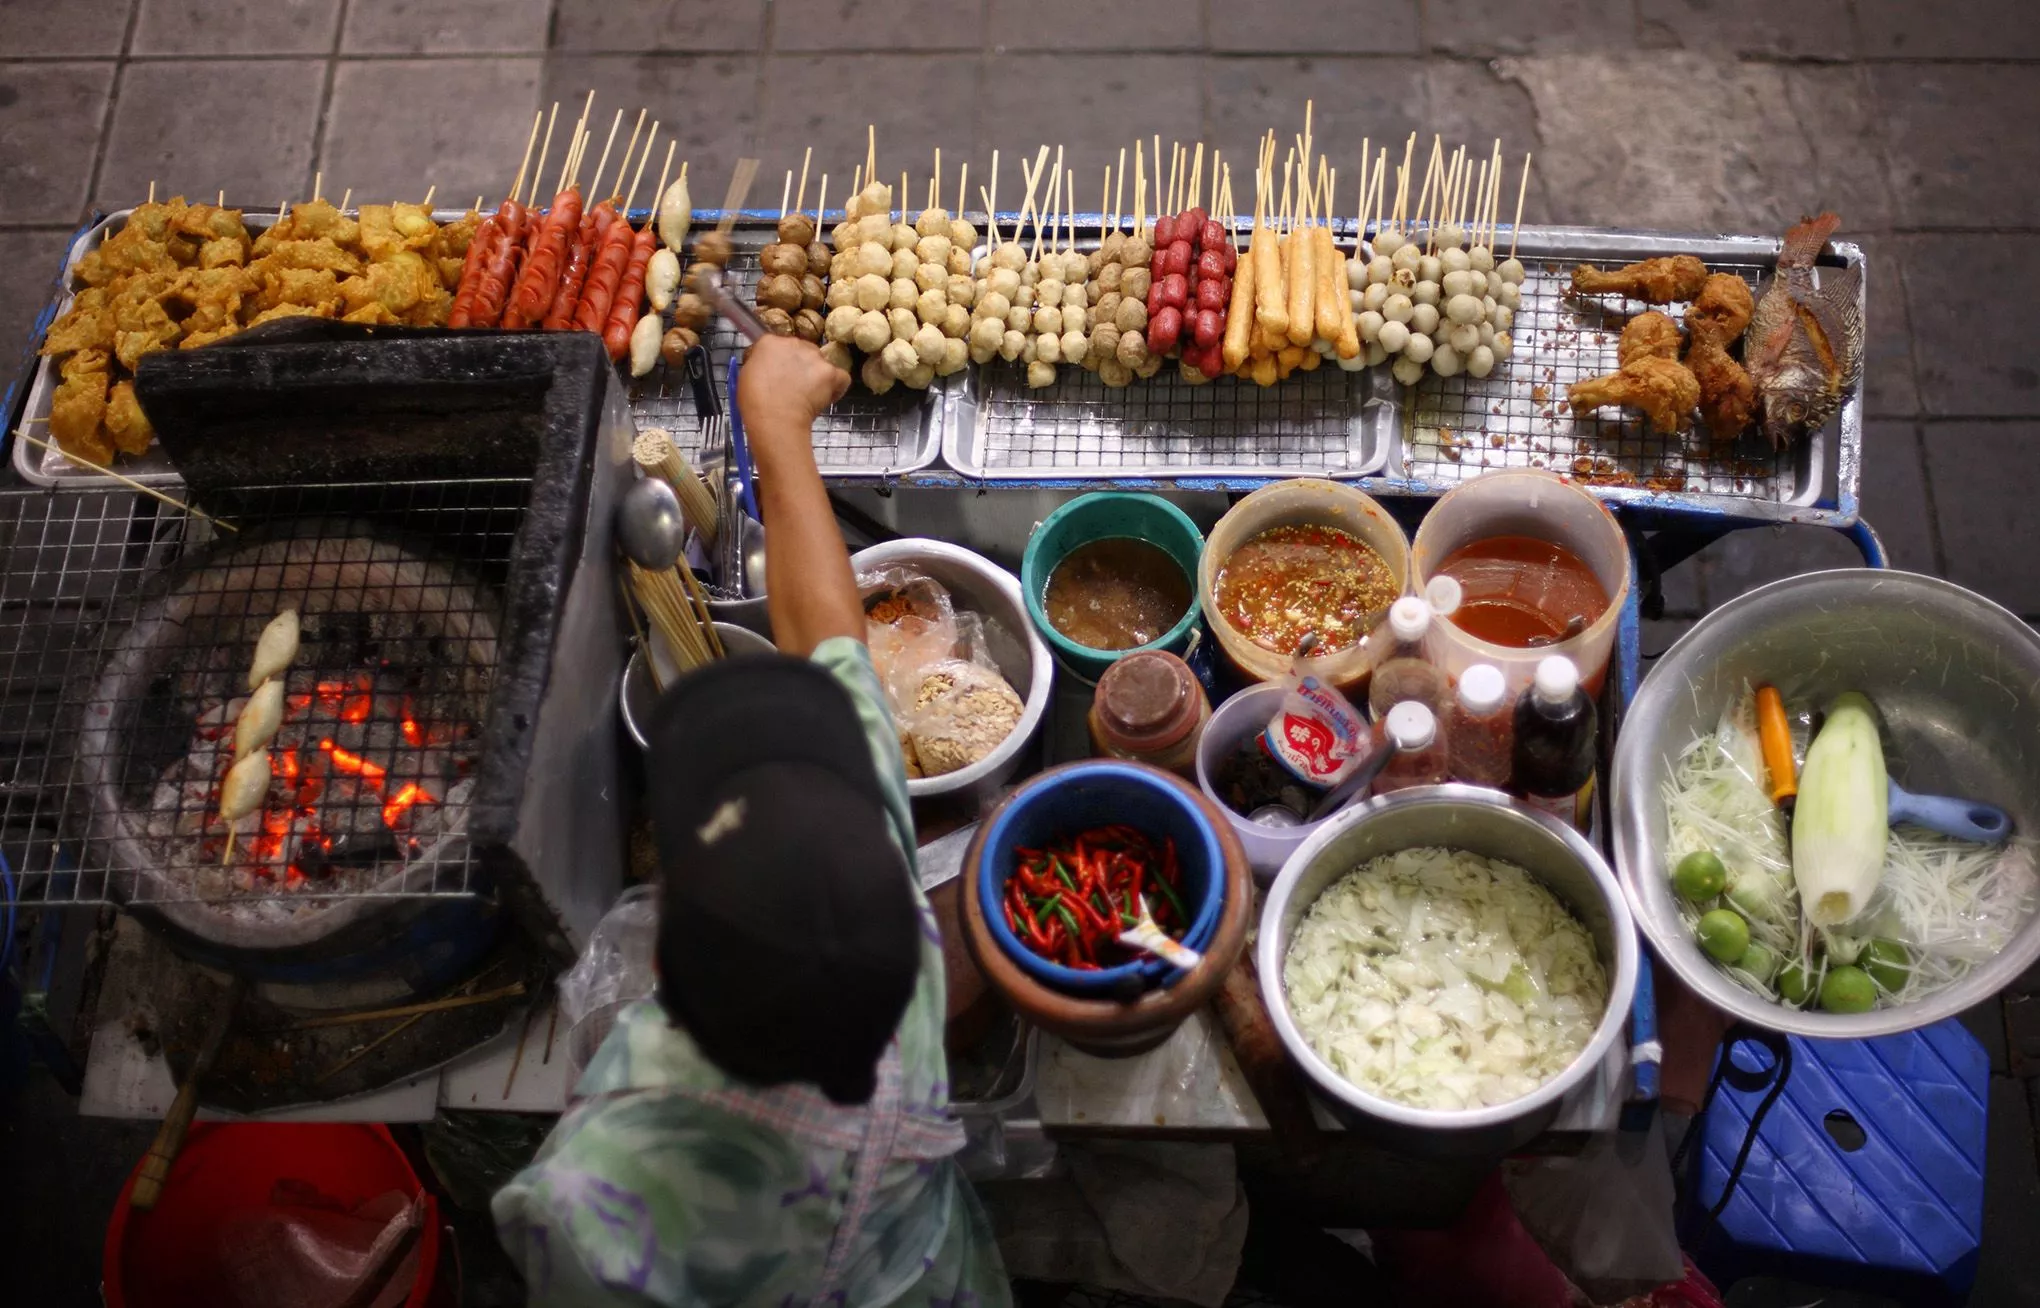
x,y
359,788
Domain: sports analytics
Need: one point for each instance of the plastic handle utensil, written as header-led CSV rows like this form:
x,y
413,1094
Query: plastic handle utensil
x,y
745,495
1147,935
1961,818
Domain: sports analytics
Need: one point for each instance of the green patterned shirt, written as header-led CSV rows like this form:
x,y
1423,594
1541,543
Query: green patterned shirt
x,y
667,1182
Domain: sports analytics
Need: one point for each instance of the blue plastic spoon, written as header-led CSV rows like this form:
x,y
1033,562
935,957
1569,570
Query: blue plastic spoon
x,y
1961,818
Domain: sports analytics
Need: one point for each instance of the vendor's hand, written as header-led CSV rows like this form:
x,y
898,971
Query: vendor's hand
x,y
783,386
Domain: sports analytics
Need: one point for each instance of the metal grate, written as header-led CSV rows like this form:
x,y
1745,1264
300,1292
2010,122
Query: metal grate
x,y
864,435
1323,423
1460,426
127,627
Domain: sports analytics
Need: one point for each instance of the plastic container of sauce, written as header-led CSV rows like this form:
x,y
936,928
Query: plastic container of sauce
x,y
1480,730
1149,708
1303,536
1419,758
1110,567
1543,567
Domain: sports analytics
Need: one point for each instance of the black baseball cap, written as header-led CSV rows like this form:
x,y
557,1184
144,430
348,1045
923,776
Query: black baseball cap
x,y
788,939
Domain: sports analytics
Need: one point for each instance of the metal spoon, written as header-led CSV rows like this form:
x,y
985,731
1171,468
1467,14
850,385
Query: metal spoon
x,y
752,542
650,526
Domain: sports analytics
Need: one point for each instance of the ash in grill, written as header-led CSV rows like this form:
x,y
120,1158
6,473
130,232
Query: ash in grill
x,y
370,769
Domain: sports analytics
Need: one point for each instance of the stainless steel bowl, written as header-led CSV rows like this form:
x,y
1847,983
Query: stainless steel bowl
x,y
637,694
1482,822
977,584
1956,680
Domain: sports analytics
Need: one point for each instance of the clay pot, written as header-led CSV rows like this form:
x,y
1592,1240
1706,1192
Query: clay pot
x,y
1104,1027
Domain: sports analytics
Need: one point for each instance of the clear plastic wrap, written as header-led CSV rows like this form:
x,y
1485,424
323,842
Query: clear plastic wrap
x,y
616,969
949,699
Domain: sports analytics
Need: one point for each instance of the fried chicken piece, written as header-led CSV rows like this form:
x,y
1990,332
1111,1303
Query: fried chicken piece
x,y
78,406
1649,335
1728,398
125,421
86,325
1721,311
1664,389
1654,281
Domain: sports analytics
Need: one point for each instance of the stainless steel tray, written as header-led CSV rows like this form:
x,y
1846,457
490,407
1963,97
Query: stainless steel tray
x,y
865,437
151,468
1456,428
1165,431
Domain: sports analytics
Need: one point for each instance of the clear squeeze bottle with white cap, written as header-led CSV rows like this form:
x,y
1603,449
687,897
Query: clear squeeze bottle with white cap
x,y
1419,758
1479,729
1406,676
1554,752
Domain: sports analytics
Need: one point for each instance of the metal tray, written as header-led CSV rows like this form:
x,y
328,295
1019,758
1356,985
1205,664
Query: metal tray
x,y
152,467
1456,428
1165,431
865,437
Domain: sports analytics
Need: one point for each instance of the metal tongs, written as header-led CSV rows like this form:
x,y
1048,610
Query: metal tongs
x,y
707,281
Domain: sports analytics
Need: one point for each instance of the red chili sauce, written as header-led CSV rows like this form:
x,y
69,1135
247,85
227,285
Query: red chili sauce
x,y
1290,581
1523,592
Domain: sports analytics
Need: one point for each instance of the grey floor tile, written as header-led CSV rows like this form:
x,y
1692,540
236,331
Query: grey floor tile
x,y
1894,499
1889,386
1982,474
1377,98
1744,560
672,26
161,132
671,86
1954,29
1967,347
1022,25
1741,153
79,27
31,263
1306,27
1946,170
1086,103
50,116
2008,1265
242,27
399,126
886,26
1470,102
1483,27
1809,29
445,26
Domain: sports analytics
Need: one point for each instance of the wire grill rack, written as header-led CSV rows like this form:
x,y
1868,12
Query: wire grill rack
x,y
1325,423
863,436
114,658
1459,427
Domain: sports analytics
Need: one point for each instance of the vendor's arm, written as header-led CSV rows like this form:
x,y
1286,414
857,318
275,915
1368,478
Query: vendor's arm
x,y
783,386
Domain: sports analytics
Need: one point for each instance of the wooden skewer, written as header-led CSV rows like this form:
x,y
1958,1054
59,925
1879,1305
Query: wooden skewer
x,y
152,190
425,203
991,208
821,200
530,142
1119,192
740,188
962,188
539,172
905,200
639,175
935,181
785,192
348,194
628,150
128,482
602,164
510,991
318,184
665,169
871,151
1522,188
800,196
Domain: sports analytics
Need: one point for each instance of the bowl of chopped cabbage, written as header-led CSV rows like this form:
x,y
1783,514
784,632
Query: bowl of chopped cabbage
x,y
1446,966
1930,925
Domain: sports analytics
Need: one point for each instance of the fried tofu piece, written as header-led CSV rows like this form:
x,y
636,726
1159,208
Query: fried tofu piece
x,y
293,311
125,422
211,299
86,325
312,288
310,221
224,252
321,253
373,314
142,326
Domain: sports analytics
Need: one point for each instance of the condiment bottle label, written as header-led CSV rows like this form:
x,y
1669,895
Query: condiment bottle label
x,y
1317,734
1576,808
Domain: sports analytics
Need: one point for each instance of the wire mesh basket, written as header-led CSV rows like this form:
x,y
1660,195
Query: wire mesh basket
x,y
126,633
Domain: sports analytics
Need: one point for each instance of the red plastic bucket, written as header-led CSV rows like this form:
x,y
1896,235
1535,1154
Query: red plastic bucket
x,y
168,1257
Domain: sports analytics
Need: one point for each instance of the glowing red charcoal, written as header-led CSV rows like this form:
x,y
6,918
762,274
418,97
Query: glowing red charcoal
x,y
354,764
401,802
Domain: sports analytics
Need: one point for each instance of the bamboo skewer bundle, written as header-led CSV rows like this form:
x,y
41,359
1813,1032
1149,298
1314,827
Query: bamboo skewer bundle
x,y
655,452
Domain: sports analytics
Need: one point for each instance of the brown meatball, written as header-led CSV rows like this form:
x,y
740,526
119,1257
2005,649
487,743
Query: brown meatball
x,y
712,247
780,292
674,345
691,311
788,259
796,229
812,293
778,321
807,324
818,258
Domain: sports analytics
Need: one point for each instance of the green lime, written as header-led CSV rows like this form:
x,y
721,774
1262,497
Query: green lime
x,y
1724,935
1847,989
1888,963
1759,960
1795,987
1700,875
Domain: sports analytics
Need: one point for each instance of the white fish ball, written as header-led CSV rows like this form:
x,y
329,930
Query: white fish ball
x,y
962,234
1379,269
1388,242
1481,362
1076,296
1024,297
904,238
1479,283
1049,290
1463,308
1376,354
1076,346
1454,259
930,276
1048,320
1503,317
904,265
1003,281
986,333
928,344
900,358
1040,374
1375,296
1012,345
1511,270
873,291
1370,325
1019,319
994,305
1451,236
1399,308
955,320
1393,336
872,332
904,323
1464,337
933,249
1504,345
1408,371
1048,347
1458,282
841,324
1356,275
1482,258
1425,293
1403,279
1407,257
930,305
1429,268
955,354
1010,256
1418,347
902,293
877,378
958,261
1358,299
1446,361
960,290
1509,295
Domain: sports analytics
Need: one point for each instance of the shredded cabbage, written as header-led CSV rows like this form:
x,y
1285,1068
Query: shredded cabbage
x,y
1442,979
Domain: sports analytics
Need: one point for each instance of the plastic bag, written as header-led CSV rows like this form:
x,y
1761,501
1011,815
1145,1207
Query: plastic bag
x,y
308,1250
949,699
1318,733
615,970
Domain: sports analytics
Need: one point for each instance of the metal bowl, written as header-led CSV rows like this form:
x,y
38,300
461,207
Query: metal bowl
x,y
1953,677
637,694
1482,822
977,584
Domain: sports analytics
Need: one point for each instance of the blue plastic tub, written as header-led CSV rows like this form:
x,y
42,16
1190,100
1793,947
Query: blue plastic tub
x,y
1108,515
1069,800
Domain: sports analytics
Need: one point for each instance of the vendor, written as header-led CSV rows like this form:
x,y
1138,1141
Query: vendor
x,y
773,1126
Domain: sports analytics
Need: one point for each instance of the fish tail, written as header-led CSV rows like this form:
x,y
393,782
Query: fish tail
x,y
1802,245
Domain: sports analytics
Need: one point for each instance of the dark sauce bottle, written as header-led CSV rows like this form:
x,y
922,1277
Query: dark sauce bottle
x,y
1554,753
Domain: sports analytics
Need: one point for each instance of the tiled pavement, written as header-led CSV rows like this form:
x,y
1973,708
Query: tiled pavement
x,y
1914,120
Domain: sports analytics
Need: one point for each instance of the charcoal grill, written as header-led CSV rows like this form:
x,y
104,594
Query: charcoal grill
x,y
450,725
